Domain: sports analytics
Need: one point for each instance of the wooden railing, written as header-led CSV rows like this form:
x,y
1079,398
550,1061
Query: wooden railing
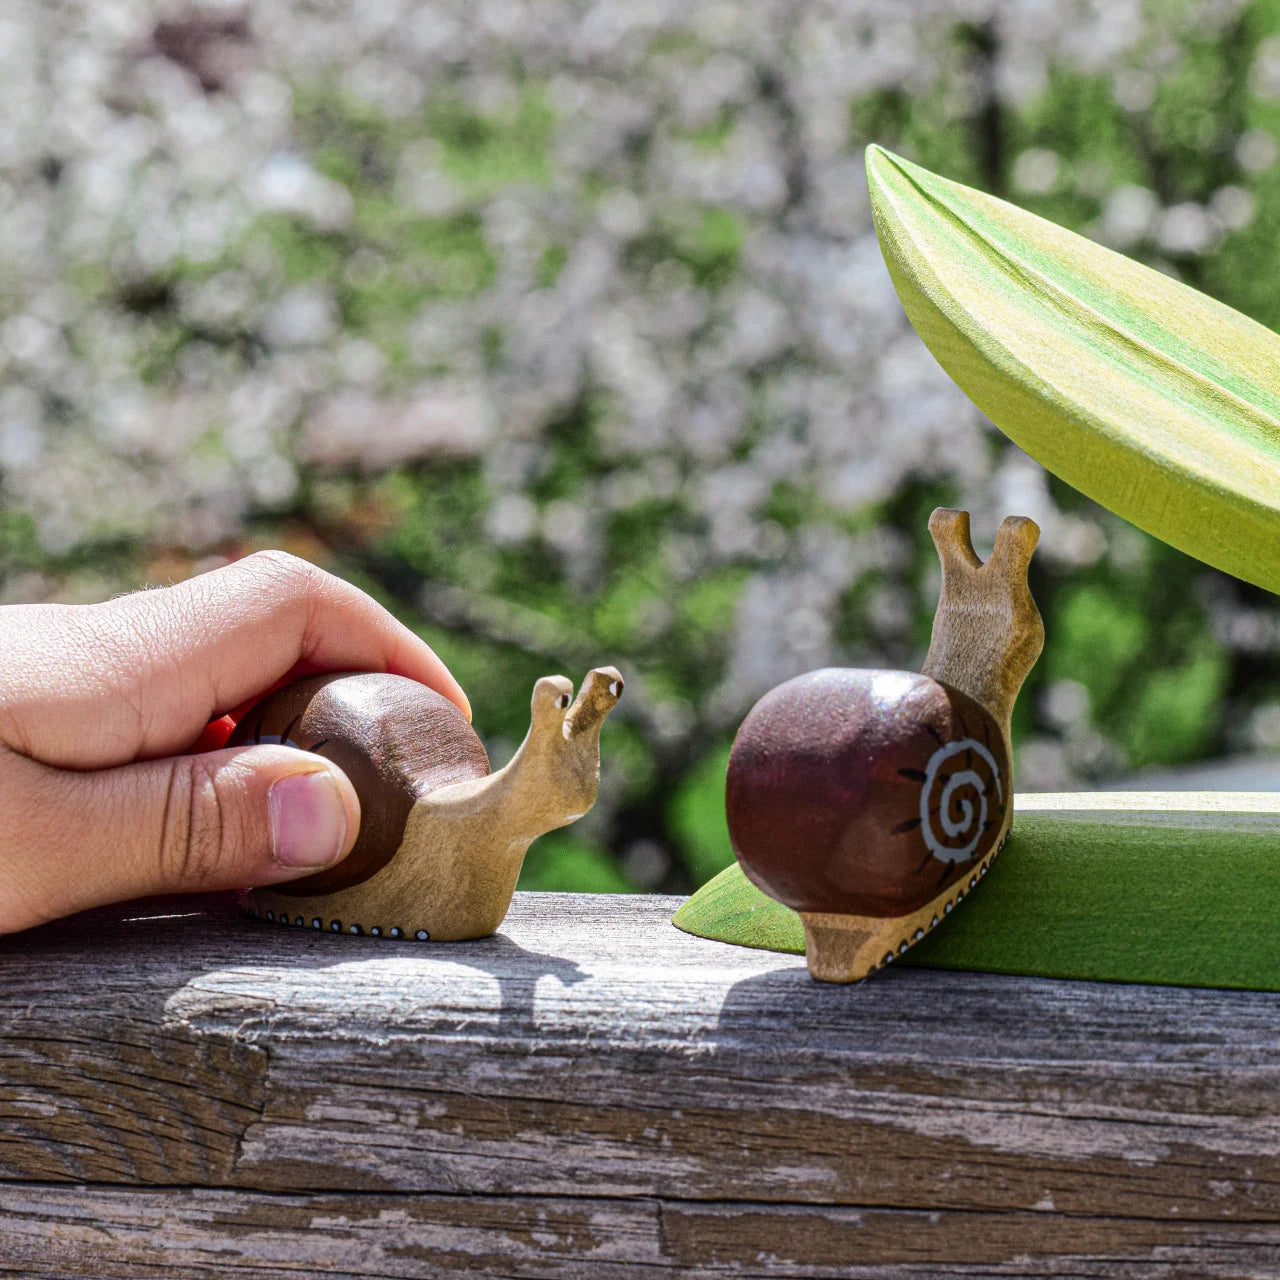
x,y
592,1094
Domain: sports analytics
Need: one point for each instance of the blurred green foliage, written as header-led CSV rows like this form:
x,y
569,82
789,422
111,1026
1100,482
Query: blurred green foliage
x,y
1130,631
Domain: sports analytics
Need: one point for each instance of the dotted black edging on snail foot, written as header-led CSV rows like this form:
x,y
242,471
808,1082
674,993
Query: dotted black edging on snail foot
x,y
907,943
394,933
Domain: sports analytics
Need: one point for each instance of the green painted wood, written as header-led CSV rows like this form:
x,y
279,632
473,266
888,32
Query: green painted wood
x,y
1176,888
1156,401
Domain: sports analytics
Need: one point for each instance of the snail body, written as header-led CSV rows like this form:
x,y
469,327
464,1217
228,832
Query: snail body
x,y
442,838
872,801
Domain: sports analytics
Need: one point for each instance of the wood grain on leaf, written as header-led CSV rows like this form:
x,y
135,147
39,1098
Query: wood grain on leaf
x,y
1154,400
1177,888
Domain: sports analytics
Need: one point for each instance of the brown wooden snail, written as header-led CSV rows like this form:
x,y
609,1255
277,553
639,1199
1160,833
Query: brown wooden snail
x,y
871,802
442,839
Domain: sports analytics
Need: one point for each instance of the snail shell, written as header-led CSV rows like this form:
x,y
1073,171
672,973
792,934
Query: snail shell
x,y
865,792
394,738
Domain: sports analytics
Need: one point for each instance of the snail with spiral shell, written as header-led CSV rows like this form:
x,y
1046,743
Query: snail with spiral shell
x,y
441,838
871,801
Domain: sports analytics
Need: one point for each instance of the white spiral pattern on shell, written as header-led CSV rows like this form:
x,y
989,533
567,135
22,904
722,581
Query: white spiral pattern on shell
x,y
969,821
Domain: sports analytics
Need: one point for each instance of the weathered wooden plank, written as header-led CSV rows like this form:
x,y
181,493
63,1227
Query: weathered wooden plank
x,y
593,1050
82,1231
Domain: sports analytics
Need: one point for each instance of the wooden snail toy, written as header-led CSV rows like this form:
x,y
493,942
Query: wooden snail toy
x,y
442,839
871,802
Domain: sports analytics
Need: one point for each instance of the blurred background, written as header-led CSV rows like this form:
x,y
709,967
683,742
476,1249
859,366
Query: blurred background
x,y
561,328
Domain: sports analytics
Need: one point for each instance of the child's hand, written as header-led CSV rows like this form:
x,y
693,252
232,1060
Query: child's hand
x,y
97,703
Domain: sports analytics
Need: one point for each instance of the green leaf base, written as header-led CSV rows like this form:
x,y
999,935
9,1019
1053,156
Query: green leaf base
x,y
1174,888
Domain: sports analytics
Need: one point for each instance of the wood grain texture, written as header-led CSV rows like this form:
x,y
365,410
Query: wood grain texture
x,y
256,1236
987,632
592,1089
396,740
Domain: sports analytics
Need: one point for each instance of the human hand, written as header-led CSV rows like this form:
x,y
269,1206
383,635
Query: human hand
x,y
99,704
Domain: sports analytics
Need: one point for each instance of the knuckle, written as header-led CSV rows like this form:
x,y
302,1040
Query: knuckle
x,y
297,587
196,829
285,570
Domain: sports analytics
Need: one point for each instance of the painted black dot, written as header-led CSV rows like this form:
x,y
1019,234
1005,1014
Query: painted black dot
x,y
375,932
422,935
335,926
354,928
396,931
315,924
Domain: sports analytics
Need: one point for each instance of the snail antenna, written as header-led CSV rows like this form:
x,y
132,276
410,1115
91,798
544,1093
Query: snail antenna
x,y
987,632
949,530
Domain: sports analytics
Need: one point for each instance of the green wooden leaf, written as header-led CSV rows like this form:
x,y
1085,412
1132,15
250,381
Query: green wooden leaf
x,y
1180,888
729,908
1151,398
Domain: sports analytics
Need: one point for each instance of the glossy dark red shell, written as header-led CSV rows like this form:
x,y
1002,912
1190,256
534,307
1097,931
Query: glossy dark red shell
x,y
865,792
394,738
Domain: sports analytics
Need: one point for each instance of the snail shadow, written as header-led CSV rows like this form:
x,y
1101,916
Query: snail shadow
x,y
516,970
169,945
787,1007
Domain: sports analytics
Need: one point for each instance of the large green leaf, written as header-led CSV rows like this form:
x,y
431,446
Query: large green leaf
x,y
1151,398
1166,887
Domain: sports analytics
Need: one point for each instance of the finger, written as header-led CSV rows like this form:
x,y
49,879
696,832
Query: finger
x,y
89,686
188,824
213,737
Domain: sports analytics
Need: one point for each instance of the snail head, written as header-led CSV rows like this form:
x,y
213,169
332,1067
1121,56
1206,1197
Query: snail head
x,y
986,610
566,732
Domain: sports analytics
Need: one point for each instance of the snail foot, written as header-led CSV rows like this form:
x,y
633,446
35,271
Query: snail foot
x,y
327,924
849,948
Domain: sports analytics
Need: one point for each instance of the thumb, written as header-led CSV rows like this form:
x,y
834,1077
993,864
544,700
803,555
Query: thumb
x,y
221,820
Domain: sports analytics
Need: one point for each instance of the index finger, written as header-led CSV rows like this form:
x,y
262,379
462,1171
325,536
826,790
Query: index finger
x,y
142,675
